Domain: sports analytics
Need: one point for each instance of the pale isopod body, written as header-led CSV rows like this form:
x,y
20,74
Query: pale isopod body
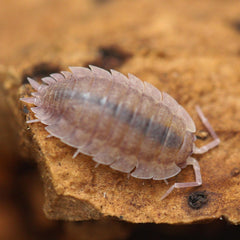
x,y
121,122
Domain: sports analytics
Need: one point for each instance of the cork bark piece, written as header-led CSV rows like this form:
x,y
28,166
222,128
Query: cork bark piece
x,y
166,44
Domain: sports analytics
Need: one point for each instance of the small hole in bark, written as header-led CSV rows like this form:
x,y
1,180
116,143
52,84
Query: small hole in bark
x,y
110,57
196,200
39,70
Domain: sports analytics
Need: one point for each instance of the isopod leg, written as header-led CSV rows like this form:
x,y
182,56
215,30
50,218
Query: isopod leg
x,y
213,143
33,121
49,135
97,164
76,153
165,180
198,182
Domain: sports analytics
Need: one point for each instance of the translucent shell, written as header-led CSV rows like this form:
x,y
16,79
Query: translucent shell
x,y
120,121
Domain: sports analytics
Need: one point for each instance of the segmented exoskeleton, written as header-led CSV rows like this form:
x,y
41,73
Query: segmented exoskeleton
x,y
121,122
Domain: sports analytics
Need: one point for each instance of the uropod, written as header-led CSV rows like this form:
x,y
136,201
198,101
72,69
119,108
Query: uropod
x,y
121,122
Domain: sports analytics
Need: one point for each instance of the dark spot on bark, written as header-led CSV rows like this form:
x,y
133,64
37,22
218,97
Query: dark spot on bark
x,y
202,135
39,70
110,57
236,25
101,1
196,200
121,217
235,172
25,109
162,54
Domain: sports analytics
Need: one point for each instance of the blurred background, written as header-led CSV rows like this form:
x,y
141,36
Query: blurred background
x,y
38,37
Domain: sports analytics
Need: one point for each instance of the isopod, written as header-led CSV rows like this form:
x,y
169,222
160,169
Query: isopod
x,y
121,122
